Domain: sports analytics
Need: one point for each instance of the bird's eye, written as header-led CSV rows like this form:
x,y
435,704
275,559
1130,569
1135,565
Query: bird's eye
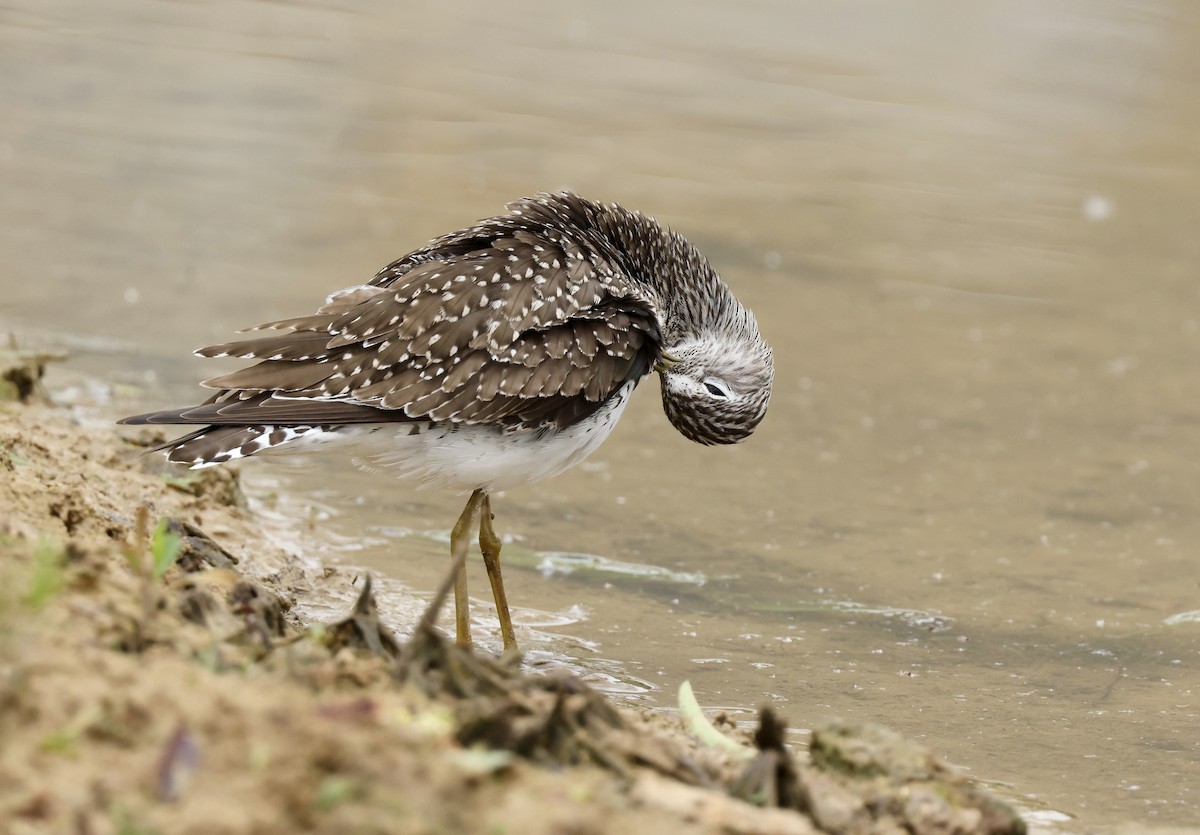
x,y
717,388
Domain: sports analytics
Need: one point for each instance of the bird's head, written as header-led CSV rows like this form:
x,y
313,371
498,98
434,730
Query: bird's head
x,y
715,387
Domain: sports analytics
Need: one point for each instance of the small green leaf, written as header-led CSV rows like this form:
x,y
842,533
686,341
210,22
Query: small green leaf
x,y
318,633
63,741
47,578
699,727
165,545
333,791
183,483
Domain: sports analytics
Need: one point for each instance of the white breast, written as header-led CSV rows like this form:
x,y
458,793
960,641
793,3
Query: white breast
x,y
469,457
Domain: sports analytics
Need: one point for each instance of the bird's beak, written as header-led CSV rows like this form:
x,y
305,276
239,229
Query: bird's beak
x,y
664,362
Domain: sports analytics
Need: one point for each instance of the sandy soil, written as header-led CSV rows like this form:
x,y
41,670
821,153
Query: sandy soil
x,y
158,683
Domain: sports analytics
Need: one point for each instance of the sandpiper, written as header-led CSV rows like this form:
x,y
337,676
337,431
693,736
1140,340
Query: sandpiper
x,y
492,357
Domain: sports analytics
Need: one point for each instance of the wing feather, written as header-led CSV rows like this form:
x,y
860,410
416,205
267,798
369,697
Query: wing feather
x,y
513,321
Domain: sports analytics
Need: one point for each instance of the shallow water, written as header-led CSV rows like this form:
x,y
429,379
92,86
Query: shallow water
x,y
968,230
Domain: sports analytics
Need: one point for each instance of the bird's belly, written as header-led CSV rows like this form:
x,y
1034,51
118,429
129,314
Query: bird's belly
x,y
466,457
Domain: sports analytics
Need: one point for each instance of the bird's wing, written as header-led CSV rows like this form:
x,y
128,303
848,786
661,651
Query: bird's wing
x,y
523,327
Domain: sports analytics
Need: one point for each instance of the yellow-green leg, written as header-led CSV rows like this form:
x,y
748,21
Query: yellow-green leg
x,y
460,538
489,545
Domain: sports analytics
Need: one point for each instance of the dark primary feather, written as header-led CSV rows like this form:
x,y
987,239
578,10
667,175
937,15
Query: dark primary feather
x,y
228,409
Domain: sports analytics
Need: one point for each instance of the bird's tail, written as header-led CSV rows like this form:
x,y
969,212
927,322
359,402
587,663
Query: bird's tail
x,y
218,444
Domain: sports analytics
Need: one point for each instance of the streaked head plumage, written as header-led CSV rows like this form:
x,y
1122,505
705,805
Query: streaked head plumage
x,y
715,387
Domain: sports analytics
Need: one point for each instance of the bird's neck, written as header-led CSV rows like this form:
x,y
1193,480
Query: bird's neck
x,y
692,298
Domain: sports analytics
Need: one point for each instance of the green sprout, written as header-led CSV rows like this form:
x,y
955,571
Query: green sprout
x,y
46,579
165,546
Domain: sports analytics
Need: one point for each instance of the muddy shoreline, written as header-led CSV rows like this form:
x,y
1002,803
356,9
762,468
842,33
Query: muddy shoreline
x,y
155,677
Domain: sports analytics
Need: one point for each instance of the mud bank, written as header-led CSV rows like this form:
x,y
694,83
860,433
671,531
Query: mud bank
x,y
155,678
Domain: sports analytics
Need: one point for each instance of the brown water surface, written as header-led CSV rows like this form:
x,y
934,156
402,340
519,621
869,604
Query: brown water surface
x,y
968,229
